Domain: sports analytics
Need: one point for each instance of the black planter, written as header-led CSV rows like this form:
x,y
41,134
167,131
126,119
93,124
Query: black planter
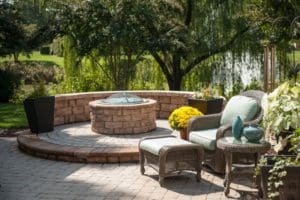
x,y
40,114
291,182
210,106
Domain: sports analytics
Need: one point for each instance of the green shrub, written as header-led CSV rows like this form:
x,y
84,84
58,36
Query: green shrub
x,y
57,47
254,85
39,90
19,95
9,82
34,71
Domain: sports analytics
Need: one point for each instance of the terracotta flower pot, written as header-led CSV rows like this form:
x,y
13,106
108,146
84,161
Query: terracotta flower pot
x,y
183,134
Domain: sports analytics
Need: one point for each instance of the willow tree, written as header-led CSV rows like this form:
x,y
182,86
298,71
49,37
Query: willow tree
x,y
181,34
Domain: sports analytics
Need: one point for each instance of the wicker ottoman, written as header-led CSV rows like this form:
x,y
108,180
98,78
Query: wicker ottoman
x,y
169,156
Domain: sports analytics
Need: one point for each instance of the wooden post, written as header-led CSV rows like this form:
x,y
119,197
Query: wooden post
x,y
266,66
269,68
273,64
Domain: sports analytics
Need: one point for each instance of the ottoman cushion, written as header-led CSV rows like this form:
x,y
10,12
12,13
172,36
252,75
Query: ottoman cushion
x,y
154,145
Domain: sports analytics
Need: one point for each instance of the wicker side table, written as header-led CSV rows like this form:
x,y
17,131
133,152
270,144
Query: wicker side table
x,y
171,156
230,145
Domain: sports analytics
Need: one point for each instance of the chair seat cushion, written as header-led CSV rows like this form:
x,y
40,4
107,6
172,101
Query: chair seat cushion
x,y
205,138
154,145
242,106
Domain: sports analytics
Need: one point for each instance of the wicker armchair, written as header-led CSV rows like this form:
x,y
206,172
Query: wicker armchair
x,y
214,157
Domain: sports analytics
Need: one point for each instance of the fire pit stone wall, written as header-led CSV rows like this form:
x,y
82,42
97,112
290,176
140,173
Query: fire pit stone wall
x,y
71,108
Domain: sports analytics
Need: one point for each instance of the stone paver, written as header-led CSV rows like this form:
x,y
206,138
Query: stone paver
x,y
81,135
23,177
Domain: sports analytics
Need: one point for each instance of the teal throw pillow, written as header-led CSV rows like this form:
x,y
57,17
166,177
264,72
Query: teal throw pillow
x,y
237,128
242,106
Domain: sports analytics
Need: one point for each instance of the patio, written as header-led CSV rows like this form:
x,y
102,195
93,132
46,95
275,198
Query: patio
x,y
26,177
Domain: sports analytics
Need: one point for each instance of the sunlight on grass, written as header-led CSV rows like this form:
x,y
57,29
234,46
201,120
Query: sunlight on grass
x,y
297,56
12,116
36,56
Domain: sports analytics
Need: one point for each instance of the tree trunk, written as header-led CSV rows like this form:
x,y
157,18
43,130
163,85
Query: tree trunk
x,y
16,57
174,82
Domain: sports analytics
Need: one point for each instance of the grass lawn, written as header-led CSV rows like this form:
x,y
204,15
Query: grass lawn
x,y
297,56
36,56
12,116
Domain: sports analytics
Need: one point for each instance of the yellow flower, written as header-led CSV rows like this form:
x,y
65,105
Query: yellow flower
x,y
180,117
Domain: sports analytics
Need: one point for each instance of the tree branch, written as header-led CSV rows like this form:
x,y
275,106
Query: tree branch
x,y
220,49
161,63
189,10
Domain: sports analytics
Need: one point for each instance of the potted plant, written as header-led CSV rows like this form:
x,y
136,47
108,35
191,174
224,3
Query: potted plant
x,y
282,114
39,108
206,102
180,117
278,173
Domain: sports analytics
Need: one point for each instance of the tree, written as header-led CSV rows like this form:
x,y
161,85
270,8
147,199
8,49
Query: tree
x,y
12,34
183,34
179,34
23,28
108,35
280,23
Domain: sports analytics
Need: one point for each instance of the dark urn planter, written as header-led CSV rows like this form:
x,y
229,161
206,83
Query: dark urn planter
x,y
40,114
209,106
291,182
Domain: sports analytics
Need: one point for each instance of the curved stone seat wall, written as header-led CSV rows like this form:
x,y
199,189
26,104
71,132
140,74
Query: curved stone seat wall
x,y
70,108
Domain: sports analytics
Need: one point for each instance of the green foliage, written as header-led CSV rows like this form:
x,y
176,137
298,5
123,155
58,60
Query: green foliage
x,y
88,81
277,173
295,142
254,85
179,39
9,82
13,38
103,32
20,94
281,20
36,56
148,76
71,59
31,72
12,116
88,78
283,108
39,90
191,32
57,47
23,27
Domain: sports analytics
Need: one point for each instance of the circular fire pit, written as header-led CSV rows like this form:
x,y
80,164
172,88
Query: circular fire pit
x,y
123,114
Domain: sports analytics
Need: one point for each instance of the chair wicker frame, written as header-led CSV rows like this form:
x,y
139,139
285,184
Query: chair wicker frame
x,y
215,159
172,159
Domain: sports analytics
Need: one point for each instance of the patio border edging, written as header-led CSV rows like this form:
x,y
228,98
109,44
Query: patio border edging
x,y
33,145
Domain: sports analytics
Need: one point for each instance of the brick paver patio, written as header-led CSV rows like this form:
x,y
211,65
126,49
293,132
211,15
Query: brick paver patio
x,y
29,178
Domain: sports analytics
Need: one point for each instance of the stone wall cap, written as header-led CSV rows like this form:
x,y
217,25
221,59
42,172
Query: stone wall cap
x,y
103,94
146,103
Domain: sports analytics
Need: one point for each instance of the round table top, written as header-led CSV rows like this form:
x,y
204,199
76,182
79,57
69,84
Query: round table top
x,y
233,145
